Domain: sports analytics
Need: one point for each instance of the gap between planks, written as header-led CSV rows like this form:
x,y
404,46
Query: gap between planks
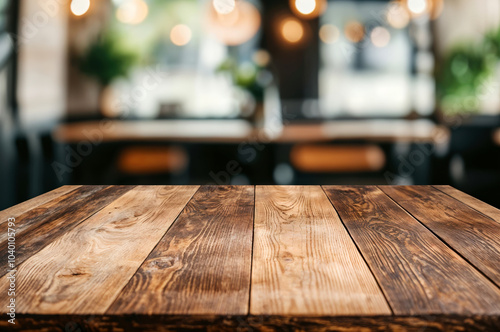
x,y
86,277
450,246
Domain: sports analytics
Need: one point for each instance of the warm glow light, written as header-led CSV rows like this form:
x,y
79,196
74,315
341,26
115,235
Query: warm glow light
x,y
397,16
180,35
329,34
292,30
132,12
80,7
305,7
224,6
417,6
308,9
354,31
261,58
380,37
236,27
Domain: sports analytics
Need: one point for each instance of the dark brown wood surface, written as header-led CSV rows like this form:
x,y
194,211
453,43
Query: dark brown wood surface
x,y
40,226
470,233
226,258
476,204
85,269
304,262
202,265
418,273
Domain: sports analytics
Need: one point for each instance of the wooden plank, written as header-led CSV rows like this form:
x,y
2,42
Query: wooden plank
x,y
21,208
473,235
202,265
33,217
142,323
84,270
304,262
37,228
418,273
476,204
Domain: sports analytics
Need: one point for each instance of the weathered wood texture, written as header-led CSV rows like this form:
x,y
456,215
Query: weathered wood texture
x,y
83,271
202,265
473,235
480,206
225,258
418,273
37,228
21,208
304,262
36,206
147,323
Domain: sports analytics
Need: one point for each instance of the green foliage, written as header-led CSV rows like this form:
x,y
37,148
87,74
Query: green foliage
x,y
105,60
464,73
246,76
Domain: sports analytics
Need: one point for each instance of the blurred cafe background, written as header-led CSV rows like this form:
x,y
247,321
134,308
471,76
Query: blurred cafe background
x,y
249,92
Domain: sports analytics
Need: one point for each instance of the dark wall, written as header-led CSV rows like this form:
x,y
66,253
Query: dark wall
x,y
296,65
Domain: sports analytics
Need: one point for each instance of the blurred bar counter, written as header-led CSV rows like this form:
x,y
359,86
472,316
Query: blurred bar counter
x,y
240,131
233,151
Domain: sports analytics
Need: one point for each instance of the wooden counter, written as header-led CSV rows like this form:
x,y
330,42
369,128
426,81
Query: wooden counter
x,y
237,131
274,258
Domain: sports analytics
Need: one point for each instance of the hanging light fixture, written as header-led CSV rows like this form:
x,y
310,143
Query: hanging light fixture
x,y
224,7
308,9
79,7
235,28
417,8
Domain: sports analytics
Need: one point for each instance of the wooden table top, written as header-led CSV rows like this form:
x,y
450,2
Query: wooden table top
x,y
237,131
244,257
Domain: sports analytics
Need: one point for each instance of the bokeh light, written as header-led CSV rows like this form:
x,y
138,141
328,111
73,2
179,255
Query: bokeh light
x,y
354,31
397,15
132,12
180,35
380,37
261,57
79,7
417,7
224,6
329,34
236,27
292,30
305,7
308,9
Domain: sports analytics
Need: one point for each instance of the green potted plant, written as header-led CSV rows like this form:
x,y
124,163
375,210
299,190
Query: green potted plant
x,y
463,76
105,60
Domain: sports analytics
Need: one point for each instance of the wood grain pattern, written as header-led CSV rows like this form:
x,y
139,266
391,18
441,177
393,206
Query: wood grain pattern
x,y
37,228
147,323
21,208
202,265
337,258
83,271
473,235
304,262
417,272
27,212
476,204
